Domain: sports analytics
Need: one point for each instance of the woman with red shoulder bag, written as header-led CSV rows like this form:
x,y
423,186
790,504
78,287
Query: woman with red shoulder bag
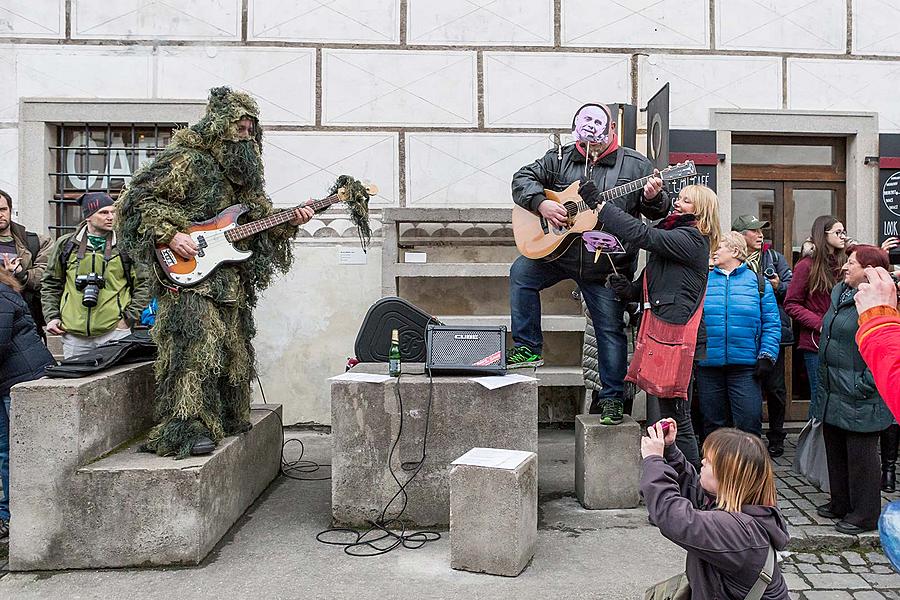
x,y
671,293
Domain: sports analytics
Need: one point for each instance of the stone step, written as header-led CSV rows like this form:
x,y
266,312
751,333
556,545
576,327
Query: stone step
x,y
555,376
548,322
151,510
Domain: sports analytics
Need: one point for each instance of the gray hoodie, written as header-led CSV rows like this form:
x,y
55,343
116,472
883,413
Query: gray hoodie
x,y
725,551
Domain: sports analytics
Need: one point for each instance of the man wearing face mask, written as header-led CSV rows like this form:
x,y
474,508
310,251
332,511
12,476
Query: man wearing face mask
x,y
597,157
204,333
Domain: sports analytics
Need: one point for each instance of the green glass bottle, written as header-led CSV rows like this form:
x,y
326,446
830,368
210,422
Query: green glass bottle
x,y
394,355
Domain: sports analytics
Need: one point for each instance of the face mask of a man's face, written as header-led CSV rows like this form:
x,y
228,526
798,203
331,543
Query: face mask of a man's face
x,y
591,125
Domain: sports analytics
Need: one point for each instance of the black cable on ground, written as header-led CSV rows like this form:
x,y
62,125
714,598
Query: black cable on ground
x,y
380,538
293,469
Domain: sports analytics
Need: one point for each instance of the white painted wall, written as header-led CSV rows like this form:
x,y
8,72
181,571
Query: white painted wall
x,y
438,102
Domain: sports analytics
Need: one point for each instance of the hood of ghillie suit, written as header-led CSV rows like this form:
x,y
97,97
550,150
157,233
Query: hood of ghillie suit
x,y
217,133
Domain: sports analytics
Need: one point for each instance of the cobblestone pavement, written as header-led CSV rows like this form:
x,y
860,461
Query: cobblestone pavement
x,y
856,574
798,501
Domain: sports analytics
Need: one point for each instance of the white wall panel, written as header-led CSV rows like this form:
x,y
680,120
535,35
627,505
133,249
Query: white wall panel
x,y
636,23
875,29
385,87
467,170
9,166
302,165
783,25
699,83
370,22
33,18
169,20
281,79
84,71
487,22
822,84
545,89
9,92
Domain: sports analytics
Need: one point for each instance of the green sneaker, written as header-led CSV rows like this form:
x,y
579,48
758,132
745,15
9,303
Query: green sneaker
x,y
522,356
612,412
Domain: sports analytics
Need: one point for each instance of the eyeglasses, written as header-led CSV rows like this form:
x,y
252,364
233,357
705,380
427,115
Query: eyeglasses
x,y
840,234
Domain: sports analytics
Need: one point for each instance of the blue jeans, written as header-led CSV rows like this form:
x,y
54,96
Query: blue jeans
x,y
4,457
730,397
811,360
528,277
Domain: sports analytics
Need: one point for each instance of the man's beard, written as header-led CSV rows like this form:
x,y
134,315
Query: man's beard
x,y
242,164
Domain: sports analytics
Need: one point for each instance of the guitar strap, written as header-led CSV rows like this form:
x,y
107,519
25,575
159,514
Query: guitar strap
x,y
613,174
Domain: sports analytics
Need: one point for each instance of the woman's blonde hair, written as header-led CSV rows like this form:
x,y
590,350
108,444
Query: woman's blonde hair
x,y
706,210
8,278
736,242
742,467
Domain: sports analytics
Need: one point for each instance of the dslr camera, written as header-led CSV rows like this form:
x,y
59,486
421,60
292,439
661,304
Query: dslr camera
x,y
89,285
770,273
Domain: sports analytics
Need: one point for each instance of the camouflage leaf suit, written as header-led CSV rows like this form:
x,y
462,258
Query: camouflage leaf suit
x,y
204,333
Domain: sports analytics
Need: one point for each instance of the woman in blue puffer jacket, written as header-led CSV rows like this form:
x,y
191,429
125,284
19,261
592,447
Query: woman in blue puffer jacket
x,y
743,330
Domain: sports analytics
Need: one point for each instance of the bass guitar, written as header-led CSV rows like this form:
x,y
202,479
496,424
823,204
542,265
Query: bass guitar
x,y
536,237
215,239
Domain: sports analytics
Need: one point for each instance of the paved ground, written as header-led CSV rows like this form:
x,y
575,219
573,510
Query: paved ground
x,y
273,553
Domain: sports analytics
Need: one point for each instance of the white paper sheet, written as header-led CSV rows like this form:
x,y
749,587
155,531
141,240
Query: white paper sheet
x,y
494,458
366,377
492,382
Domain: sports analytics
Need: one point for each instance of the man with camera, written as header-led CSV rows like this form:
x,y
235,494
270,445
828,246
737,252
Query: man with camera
x,y
91,291
763,259
24,255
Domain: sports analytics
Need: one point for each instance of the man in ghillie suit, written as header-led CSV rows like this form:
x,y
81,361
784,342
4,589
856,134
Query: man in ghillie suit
x,y
204,333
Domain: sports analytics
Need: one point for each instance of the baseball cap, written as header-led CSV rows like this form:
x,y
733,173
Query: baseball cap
x,y
746,222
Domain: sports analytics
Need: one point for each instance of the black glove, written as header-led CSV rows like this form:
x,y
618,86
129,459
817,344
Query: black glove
x,y
621,285
763,369
589,193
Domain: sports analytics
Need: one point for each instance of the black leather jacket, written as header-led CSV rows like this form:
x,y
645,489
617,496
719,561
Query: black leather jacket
x,y
556,171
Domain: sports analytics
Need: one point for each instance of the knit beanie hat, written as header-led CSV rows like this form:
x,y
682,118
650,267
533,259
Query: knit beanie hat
x,y
91,202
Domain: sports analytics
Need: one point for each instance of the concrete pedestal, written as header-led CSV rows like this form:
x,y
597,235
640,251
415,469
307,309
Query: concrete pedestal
x,y
365,422
493,511
83,497
607,463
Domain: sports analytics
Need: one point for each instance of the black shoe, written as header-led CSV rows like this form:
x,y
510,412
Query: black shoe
x,y
203,446
776,450
850,528
597,404
612,412
825,511
889,480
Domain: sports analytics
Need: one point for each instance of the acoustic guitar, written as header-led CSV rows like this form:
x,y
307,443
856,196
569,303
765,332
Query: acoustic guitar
x,y
215,239
536,237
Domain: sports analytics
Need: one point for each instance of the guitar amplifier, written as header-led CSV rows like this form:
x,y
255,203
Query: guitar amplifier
x,y
465,349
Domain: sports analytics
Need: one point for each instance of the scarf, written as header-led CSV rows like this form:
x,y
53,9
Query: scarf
x,y
677,220
613,146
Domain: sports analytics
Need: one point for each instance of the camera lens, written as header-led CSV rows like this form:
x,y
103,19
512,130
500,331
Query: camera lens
x,y
769,273
91,294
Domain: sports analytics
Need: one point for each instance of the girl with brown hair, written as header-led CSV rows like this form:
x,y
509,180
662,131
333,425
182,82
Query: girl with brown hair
x,y
809,294
726,517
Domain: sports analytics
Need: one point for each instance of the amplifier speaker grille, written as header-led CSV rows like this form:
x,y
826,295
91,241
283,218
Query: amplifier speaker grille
x,y
463,349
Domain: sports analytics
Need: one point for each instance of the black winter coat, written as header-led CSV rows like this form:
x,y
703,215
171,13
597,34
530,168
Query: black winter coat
x,y
558,169
23,356
677,267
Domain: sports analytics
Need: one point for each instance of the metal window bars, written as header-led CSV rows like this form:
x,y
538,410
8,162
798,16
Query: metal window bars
x,y
98,157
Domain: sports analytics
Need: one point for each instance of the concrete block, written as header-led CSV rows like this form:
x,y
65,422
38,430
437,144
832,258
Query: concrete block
x,y
550,86
370,155
607,463
348,21
493,511
130,19
34,19
787,26
664,24
873,28
812,85
83,497
508,23
281,79
402,88
699,83
365,421
470,172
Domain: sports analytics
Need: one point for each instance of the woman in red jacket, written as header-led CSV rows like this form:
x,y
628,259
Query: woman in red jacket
x,y
809,295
